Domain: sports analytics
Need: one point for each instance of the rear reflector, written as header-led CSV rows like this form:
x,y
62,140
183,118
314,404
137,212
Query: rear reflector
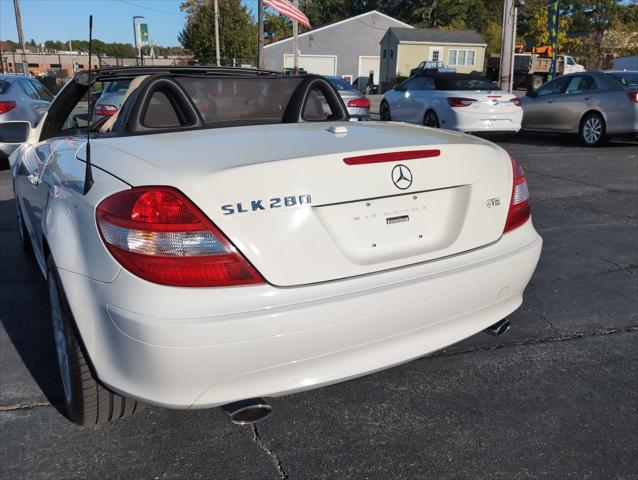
x,y
391,157
158,234
359,103
458,102
7,105
519,211
105,109
633,96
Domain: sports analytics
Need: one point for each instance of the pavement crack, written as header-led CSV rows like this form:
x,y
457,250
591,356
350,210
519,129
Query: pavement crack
x,y
540,340
539,308
281,473
24,406
628,268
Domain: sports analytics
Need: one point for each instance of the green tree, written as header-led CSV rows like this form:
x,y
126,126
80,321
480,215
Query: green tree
x,y
276,27
237,31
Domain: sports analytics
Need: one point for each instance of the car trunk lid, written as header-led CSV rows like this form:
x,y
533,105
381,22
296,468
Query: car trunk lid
x,y
310,203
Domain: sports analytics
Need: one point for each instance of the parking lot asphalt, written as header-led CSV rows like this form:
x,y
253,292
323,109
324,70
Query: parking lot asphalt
x,y
555,398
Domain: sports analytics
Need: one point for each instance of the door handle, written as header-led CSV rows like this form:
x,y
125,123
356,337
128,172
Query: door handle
x,y
587,98
550,101
32,179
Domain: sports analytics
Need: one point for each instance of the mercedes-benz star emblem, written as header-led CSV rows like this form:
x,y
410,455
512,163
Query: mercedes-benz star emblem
x,y
401,177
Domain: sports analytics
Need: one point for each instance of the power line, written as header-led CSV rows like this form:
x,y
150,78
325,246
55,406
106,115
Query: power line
x,y
150,8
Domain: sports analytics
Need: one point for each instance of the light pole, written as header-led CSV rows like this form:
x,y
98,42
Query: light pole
x,y
138,43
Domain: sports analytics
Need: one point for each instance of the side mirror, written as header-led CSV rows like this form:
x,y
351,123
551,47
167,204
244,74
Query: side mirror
x,y
14,132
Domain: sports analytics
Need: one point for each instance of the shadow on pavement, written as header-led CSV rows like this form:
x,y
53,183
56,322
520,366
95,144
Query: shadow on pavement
x,y
562,140
24,313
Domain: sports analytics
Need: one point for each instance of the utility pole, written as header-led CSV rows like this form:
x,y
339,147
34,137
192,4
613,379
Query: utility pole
x,y
507,46
295,43
260,19
25,64
511,84
216,6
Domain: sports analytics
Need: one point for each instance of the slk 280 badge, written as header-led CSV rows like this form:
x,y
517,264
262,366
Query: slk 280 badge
x,y
275,202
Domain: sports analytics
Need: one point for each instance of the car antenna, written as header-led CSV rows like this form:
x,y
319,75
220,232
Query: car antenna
x,y
88,174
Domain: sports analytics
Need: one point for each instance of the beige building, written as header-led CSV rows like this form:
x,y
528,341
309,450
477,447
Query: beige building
x,y
65,64
402,49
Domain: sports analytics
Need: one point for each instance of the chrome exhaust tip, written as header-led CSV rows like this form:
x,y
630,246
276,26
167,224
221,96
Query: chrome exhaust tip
x,y
248,412
499,328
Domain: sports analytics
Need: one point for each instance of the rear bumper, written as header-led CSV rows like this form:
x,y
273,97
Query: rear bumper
x,y
183,348
359,113
461,121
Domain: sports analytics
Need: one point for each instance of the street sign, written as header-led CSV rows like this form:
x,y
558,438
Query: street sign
x,y
143,34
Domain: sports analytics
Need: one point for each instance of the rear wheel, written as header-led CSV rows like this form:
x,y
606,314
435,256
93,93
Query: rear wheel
x,y
431,119
384,111
86,400
592,130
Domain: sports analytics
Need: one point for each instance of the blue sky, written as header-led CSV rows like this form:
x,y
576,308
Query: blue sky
x,y
112,19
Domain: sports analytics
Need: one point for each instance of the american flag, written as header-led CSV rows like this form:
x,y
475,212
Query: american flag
x,y
287,9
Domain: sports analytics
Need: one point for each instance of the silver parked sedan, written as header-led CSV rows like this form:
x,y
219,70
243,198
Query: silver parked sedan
x,y
110,99
595,105
21,98
356,102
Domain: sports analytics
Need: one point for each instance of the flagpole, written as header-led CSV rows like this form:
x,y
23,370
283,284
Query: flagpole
x,y
295,42
260,17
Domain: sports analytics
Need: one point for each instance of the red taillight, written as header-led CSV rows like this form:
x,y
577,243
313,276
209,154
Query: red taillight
x,y
519,211
516,101
159,235
457,102
105,110
359,103
633,96
7,105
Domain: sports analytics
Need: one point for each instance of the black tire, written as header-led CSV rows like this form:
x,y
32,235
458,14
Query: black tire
x,y
86,400
431,119
592,131
384,111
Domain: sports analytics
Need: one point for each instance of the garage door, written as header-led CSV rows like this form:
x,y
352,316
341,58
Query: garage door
x,y
319,64
369,64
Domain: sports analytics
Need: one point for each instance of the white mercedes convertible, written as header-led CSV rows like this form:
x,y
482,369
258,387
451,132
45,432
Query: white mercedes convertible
x,y
228,236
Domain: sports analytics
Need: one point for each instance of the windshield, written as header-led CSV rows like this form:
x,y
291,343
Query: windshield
x,y
340,84
628,79
119,86
241,101
466,82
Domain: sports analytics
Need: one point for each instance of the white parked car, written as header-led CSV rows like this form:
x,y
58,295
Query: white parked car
x,y
229,240
454,101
